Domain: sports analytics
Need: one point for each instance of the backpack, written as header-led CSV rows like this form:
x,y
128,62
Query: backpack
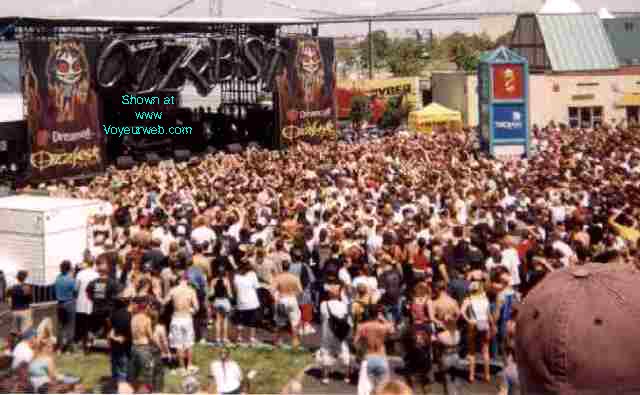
x,y
340,327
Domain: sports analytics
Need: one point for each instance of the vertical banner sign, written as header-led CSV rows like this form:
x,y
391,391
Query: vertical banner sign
x,y
62,108
306,90
503,91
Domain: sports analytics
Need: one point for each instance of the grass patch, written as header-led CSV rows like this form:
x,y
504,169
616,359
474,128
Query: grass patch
x,y
275,368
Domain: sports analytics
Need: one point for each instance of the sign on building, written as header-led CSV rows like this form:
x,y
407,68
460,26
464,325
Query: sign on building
x,y
503,90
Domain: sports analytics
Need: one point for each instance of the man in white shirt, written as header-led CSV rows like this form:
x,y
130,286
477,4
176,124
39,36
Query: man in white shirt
x,y
234,228
511,260
246,284
203,233
84,305
225,375
569,257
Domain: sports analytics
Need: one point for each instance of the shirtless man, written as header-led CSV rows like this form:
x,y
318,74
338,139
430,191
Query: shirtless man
x,y
287,288
181,333
142,364
373,334
442,303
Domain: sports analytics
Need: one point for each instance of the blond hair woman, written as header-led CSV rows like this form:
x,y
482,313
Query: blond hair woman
x,y
476,312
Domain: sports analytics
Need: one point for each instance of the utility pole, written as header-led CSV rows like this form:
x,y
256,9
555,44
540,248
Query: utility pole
x,y
215,8
370,50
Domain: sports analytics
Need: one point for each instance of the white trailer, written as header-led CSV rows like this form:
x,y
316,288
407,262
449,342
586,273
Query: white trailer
x,y
37,233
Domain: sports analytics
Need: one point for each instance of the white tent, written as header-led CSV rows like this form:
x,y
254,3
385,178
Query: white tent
x,y
603,13
11,108
560,7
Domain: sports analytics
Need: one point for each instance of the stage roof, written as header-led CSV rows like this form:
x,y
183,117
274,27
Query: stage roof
x,y
110,21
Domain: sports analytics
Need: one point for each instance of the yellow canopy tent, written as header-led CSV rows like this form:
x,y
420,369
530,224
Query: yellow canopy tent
x,y
432,116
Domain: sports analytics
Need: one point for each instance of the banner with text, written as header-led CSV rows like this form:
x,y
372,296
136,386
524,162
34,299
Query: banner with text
x,y
306,90
62,108
379,91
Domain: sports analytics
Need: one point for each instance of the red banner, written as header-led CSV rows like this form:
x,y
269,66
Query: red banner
x,y
508,83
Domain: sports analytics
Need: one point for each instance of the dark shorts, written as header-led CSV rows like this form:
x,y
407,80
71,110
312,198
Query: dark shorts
x,y
424,328
142,366
119,364
248,318
83,325
99,321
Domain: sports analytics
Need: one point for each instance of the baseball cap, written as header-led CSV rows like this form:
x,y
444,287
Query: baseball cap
x,y
577,332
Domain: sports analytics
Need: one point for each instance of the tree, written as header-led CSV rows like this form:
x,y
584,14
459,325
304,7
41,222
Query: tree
x,y
347,58
462,49
381,44
465,59
504,39
406,57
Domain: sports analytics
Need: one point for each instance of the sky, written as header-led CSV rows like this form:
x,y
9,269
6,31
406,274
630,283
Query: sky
x,y
262,8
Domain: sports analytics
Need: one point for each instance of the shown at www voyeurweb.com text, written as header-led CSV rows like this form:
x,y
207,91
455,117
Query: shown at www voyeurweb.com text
x,y
147,116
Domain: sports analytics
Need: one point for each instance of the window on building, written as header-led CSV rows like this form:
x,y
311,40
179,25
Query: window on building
x,y
633,114
628,26
597,117
574,118
585,117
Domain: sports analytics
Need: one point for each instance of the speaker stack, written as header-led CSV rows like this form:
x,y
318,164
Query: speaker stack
x,y
152,158
181,155
125,163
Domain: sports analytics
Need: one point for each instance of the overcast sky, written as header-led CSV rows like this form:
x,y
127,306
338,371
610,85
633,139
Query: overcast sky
x,y
261,8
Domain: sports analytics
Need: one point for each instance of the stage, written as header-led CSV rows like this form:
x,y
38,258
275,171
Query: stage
x,y
253,81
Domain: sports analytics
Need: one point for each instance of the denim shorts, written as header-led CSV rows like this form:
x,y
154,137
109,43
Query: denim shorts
x,y
222,306
377,368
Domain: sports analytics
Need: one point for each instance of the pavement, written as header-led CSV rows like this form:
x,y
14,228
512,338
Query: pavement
x,y
311,382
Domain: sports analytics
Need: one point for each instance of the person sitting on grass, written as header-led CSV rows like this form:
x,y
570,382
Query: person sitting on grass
x,y
225,375
23,352
42,369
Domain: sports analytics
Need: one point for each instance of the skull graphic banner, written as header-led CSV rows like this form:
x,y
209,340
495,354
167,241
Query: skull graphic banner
x,y
306,90
62,108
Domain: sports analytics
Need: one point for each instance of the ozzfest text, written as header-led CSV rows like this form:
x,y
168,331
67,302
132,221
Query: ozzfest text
x,y
311,130
77,158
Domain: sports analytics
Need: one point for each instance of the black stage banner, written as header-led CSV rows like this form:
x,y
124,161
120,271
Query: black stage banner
x,y
62,108
144,66
306,90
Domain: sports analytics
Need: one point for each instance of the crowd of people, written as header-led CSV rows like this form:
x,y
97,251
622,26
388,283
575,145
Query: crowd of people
x,y
411,244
